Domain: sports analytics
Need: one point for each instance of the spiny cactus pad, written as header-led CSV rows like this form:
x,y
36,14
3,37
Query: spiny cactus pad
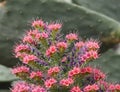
x,y
107,7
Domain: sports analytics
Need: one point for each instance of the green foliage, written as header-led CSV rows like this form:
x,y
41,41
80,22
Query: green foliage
x,y
110,8
6,75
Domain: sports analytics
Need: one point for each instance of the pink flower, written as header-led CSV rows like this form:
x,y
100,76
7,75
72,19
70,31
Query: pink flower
x,y
98,74
86,70
32,33
114,88
75,89
79,44
50,83
20,55
38,89
29,58
103,83
117,87
90,55
91,88
29,39
54,27
37,74
38,24
22,48
61,45
72,36
20,87
75,71
66,82
53,70
20,69
111,88
41,36
92,45
51,50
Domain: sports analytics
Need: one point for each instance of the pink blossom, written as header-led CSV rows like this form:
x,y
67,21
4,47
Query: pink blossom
x,y
38,89
75,71
91,88
89,56
111,88
61,45
41,36
72,36
51,50
28,58
114,88
98,74
86,70
22,48
38,23
53,70
117,87
79,44
20,55
32,33
66,82
20,69
20,87
92,45
36,74
54,27
103,83
29,39
50,83
75,89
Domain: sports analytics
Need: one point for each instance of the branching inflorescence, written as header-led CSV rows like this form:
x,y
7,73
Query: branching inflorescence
x,y
53,63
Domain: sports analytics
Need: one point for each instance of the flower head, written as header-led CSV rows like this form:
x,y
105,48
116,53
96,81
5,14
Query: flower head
x,y
50,83
91,88
92,45
29,58
98,74
20,69
21,87
75,71
71,37
38,89
32,33
86,70
22,48
90,55
51,50
61,46
75,89
79,44
37,74
66,82
54,27
29,39
38,24
53,70
41,36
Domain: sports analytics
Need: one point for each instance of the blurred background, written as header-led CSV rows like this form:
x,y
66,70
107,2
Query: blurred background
x,y
98,19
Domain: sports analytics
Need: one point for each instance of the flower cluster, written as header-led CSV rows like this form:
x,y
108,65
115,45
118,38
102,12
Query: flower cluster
x,y
53,63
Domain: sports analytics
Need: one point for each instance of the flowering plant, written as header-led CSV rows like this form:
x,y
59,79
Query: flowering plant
x,y
53,63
